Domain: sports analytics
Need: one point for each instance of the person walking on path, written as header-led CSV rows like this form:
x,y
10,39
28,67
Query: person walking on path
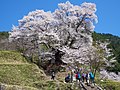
x,y
83,77
87,78
91,78
53,75
78,76
72,75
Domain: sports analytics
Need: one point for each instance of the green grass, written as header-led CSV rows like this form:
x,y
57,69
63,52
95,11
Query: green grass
x,y
16,87
107,84
11,57
24,74
45,85
51,85
16,73
15,70
110,85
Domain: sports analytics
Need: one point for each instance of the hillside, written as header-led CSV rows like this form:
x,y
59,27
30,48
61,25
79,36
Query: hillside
x,y
17,74
14,70
11,57
114,45
4,35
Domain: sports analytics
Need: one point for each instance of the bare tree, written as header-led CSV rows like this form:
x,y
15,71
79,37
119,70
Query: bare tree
x,y
96,59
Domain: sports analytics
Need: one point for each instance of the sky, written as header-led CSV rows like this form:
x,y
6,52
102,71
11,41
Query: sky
x,y
108,12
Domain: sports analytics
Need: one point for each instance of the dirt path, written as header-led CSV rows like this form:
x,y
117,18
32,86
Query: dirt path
x,y
90,87
14,63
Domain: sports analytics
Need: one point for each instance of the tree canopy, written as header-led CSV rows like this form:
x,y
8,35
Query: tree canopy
x,y
67,29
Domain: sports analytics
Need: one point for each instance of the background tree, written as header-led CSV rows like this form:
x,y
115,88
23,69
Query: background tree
x,y
4,42
113,45
96,59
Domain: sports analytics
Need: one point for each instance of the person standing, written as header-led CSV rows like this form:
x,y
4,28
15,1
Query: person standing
x,y
91,77
79,77
72,75
83,77
53,75
87,78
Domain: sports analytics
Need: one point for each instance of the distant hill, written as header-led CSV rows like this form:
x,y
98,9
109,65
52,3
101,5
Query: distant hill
x,y
4,35
114,45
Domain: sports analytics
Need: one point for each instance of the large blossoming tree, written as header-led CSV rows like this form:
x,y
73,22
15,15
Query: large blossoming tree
x,y
63,35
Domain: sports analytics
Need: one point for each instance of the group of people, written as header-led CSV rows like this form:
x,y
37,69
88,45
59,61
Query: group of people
x,y
87,77
78,75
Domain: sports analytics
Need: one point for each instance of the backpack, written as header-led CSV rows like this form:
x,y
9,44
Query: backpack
x,y
91,75
67,79
79,76
83,75
76,76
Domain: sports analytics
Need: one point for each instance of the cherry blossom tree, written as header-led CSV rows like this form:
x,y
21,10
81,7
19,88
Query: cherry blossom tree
x,y
66,31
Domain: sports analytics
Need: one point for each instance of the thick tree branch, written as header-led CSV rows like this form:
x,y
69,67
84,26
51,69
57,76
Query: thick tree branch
x,y
80,22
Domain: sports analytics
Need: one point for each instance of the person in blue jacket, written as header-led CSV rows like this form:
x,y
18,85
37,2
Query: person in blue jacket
x,y
91,77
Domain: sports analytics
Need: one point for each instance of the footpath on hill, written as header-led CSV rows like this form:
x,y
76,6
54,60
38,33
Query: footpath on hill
x,y
60,77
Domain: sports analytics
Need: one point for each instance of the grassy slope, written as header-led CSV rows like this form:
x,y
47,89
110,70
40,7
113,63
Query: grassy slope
x,y
11,57
109,85
24,74
16,87
17,74
14,70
